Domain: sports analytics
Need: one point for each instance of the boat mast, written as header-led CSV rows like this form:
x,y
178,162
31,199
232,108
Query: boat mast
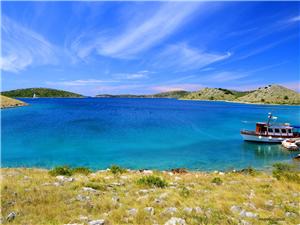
x,y
269,119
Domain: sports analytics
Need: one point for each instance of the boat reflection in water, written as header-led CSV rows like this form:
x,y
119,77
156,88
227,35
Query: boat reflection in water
x,y
266,150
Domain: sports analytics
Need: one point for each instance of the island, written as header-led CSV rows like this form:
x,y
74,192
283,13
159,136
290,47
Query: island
x,y
41,93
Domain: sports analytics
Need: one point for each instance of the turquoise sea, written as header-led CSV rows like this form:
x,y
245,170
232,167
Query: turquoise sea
x,y
138,133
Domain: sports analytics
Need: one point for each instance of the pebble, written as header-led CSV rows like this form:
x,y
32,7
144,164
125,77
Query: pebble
x,y
149,210
235,209
188,210
175,221
11,216
170,210
96,222
65,179
290,214
89,189
244,213
132,212
82,198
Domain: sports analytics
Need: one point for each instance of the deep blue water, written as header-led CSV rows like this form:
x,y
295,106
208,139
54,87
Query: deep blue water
x,y
138,133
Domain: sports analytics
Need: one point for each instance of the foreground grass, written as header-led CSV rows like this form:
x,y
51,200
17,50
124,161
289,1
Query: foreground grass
x,y
125,197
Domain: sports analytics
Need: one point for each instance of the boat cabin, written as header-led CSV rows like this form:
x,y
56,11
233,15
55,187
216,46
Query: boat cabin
x,y
274,130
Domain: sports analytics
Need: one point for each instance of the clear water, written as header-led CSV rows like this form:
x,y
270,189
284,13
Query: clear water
x,y
138,133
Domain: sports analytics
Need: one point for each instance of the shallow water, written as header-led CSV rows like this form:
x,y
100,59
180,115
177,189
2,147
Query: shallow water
x,y
138,133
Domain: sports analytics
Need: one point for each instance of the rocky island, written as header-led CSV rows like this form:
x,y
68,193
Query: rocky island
x,y
7,102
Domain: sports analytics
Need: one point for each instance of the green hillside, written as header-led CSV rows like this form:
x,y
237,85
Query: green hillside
x,y
40,92
272,94
171,94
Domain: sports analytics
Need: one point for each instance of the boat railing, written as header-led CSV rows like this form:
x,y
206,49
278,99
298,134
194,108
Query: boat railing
x,y
248,132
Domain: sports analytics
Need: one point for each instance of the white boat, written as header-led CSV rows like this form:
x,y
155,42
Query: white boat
x,y
34,95
271,132
290,145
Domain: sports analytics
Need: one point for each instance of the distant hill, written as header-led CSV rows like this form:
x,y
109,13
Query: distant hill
x,y
213,94
168,94
40,92
171,94
272,94
7,102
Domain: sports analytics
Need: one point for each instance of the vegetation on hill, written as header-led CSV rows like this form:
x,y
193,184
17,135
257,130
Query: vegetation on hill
x,y
7,102
35,196
272,94
171,94
40,92
211,94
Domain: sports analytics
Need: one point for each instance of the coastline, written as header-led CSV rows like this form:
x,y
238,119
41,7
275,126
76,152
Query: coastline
x,y
120,196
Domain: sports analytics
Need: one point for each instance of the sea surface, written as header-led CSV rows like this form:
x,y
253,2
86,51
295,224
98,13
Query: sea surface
x,y
138,134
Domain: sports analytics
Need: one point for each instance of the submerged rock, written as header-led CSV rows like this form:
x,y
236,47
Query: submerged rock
x,y
175,221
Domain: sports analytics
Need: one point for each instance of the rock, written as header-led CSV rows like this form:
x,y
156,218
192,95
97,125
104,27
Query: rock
x,y
188,210
235,209
269,203
83,218
149,210
65,179
143,191
142,198
252,194
11,216
96,222
244,222
170,210
73,224
124,177
132,212
115,199
175,221
177,178
82,198
56,184
163,195
250,205
290,214
244,213
198,210
221,173
89,189
179,170
148,172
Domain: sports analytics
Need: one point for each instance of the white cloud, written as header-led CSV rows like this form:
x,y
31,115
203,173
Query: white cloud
x,y
138,37
22,47
226,76
294,19
183,57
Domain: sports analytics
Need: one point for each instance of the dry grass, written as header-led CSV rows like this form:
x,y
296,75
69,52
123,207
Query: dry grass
x,y
32,194
7,102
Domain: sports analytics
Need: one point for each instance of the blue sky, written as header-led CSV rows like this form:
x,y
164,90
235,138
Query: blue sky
x,y
149,47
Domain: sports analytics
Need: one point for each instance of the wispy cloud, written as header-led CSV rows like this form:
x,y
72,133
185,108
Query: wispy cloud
x,y
135,38
226,76
184,57
22,47
176,87
132,76
86,82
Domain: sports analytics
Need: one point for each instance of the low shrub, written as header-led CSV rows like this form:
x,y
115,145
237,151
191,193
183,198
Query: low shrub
x,y
217,181
286,171
117,169
61,170
82,170
248,171
95,186
152,181
184,192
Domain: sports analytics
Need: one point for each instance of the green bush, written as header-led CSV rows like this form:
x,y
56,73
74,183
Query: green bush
x,y
82,170
249,171
152,181
286,97
61,170
95,186
286,172
217,180
117,169
184,192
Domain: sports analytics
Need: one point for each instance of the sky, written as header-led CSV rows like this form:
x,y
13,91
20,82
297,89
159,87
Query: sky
x,y
148,47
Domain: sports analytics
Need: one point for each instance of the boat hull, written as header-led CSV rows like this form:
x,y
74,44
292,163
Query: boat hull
x,y
267,139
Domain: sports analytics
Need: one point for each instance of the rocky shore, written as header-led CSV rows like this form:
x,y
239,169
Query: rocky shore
x,y
121,196
7,102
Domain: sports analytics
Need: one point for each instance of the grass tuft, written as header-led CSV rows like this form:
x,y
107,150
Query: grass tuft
x,y
283,171
217,181
61,170
82,170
